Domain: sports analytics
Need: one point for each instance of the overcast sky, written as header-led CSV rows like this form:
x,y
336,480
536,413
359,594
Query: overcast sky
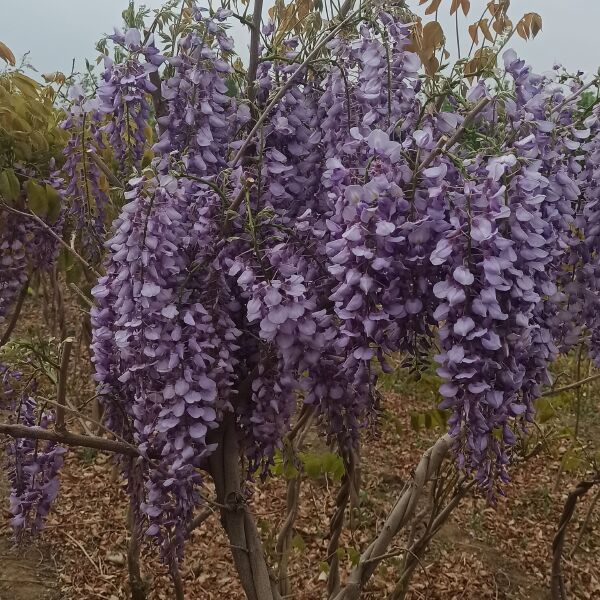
x,y
56,31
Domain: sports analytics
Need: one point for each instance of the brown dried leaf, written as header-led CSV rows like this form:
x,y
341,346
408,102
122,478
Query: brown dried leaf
x,y
483,25
303,8
492,8
433,36
499,24
536,24
523,28
473,29
6,54
433,7
431,65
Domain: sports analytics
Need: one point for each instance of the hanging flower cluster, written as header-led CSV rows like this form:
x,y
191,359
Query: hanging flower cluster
x,y
354,238
351,227
33,465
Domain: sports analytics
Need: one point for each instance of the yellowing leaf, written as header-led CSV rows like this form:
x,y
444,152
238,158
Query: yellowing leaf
x,y
36,198
54,204
6,54
27,85
9,186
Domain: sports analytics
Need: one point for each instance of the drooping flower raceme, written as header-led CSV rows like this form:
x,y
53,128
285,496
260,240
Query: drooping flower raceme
x,y
357,233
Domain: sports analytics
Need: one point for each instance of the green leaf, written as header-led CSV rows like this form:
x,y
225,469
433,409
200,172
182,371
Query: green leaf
x,y
54,202
37,199
9,186
289,471
544,411
353,555
298,543
316,465
571,461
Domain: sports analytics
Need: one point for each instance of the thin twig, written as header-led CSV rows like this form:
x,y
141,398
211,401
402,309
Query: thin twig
x,y
454,139
15,315
61,392
284,88
53,234
574,96
80,546
107,172
68,407
572,386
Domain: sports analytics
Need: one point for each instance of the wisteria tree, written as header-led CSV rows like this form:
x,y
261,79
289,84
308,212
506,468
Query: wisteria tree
x,y
258,237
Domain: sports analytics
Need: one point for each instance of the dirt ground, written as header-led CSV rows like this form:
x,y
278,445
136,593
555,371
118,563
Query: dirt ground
x,y
482,553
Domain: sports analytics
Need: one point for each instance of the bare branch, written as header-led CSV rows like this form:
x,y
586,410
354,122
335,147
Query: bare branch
x,y
246,547
572,386
447,145
576,95
14,318
295,440
347,494
136,583
116,182
398,518
284,88
586,522
68,438
417,549
254,50
61,394
51,231
198,520
557,584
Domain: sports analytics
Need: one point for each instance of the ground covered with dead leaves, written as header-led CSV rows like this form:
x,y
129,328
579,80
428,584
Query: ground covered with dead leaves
x,y
482,552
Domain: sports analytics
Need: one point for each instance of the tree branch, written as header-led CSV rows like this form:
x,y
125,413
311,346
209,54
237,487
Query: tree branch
x,y
446,145
254,50
586,522
53,234
107,172
68,438
136,583
61,394
557,584
398,518
572,386
295,440
246,547
14,318
284,88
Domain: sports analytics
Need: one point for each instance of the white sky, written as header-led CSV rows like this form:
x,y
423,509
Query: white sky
x,y
56,31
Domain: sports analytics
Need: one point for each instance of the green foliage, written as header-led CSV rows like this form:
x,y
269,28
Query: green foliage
x,y
322,464
315,465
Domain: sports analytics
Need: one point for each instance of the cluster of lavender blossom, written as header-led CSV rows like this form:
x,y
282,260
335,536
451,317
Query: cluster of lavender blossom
x,y
343,250
358,233
26,246
33,465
